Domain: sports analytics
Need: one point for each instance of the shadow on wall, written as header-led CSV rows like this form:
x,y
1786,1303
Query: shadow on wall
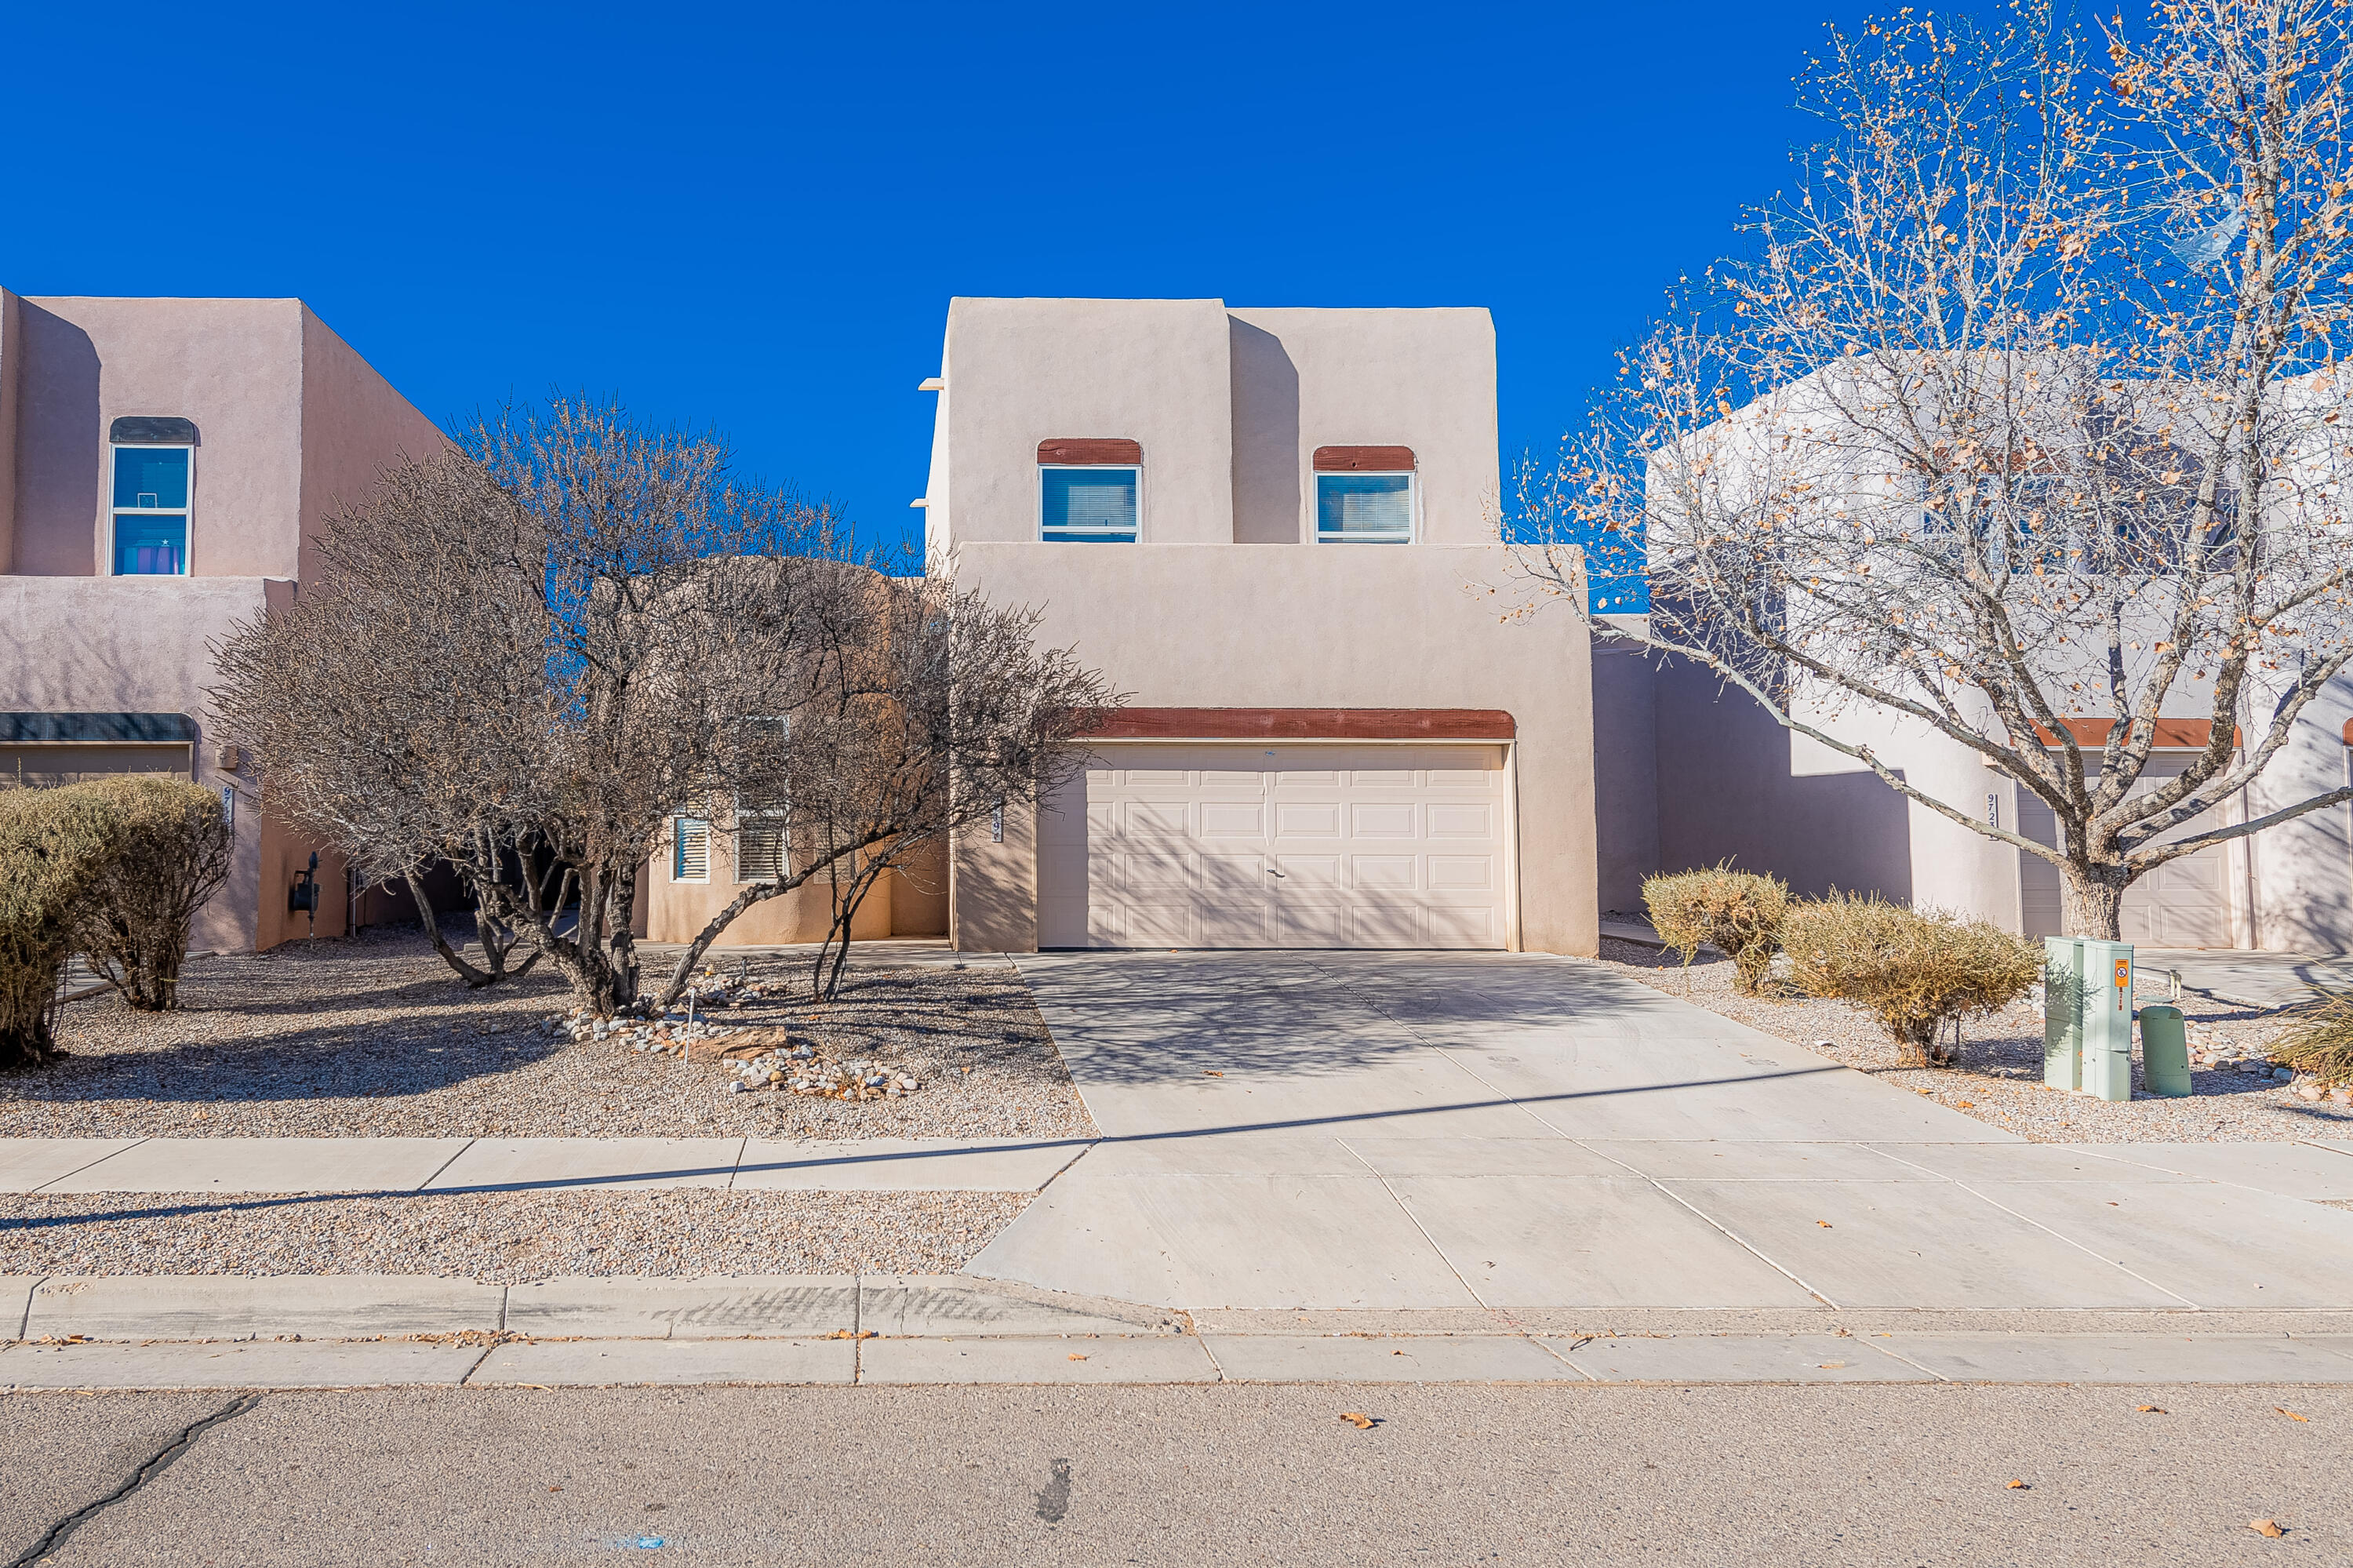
x,y
58,457
1689,772
1266,437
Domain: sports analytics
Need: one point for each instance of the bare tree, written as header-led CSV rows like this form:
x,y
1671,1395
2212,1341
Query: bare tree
x,y
2019,425
531,659
945,714
362,701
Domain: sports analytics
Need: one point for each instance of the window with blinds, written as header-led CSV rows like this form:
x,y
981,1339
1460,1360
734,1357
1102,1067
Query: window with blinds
x,y
1363,508
760,852
689,851
1095,504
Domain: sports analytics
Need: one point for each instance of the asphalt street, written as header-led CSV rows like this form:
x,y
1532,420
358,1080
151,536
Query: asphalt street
x,y
1875,1475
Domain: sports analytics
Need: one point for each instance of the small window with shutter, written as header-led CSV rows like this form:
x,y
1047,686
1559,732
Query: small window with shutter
x,y
689,851
760,852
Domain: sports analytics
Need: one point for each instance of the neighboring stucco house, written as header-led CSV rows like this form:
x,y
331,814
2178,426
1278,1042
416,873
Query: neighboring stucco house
x,y
1691,772
163,466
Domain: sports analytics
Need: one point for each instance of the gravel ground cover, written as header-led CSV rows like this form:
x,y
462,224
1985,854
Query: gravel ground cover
x,y
504,1237
372,1037
1998,1079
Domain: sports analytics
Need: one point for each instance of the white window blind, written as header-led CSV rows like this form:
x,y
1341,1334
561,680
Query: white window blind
x,y
1088,506
1363,508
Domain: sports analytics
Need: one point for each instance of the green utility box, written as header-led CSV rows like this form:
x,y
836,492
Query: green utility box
x,y
2165,1050
2063,1011
2087,1016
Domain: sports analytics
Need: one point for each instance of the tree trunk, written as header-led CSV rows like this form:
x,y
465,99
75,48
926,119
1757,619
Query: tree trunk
x,y
2092,901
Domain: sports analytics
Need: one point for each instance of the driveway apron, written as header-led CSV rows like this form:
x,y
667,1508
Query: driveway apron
x,y
1332,1130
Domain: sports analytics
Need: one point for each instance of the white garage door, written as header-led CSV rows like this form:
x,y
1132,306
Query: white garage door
x,y
1327,845
2184,903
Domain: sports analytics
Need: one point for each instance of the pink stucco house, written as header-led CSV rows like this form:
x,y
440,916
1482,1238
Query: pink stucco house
x,y
1277,531
163,466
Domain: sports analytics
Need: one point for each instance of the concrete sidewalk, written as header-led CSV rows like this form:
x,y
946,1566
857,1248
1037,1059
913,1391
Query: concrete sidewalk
x,y
378,1165
370,1331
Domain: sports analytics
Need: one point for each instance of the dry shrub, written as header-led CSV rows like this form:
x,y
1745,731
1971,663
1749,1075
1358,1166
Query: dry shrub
x,y
2319,1040
54,846
1738,913
170,853
1911,968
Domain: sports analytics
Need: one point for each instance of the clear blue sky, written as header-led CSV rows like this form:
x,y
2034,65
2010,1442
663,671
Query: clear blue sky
x,y
755,218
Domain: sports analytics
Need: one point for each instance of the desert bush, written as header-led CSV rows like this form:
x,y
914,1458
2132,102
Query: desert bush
x,y
2318,1040
170,853
54,845
1911,968
1738,913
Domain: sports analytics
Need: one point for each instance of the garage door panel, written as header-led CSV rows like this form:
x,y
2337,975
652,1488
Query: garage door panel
x,y
1233,925
1226,876
1233,820
1461,820
1386,925
1148,872
1308,925
1158,925
1307,818
1463,927
1381,819
1376,847
1462,874
1382,870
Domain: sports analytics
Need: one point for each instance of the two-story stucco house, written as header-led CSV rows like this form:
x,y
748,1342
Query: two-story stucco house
x,y
1276,530
163,466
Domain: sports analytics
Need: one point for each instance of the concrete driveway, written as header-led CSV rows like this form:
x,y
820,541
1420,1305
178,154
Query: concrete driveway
x,y
1428,1130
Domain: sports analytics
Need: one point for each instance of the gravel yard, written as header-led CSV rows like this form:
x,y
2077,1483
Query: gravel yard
x,y
2000,1078
374,1037
504,1237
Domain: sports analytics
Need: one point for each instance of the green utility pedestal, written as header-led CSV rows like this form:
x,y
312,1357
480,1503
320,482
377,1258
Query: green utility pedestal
x,y
2063,1011
2108,1019
2165,1050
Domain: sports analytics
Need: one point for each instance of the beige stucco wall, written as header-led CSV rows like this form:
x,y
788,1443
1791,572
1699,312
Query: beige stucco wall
x,y
677,911
1309,626
234,366
140,645
1229,405
12,359
354,427
1308,378
1022,371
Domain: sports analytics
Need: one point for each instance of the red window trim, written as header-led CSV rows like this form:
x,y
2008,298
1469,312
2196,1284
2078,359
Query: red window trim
x,y
1304,724
1089,451
1364,459
2172,734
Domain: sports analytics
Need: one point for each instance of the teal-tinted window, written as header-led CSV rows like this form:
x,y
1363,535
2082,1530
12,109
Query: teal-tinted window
x,y
151,477
150,546
151,511
1089,506
1363,508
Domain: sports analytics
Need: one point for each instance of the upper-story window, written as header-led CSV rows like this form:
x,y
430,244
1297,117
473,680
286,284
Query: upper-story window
x,y
1089,492
154,463
1365,495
